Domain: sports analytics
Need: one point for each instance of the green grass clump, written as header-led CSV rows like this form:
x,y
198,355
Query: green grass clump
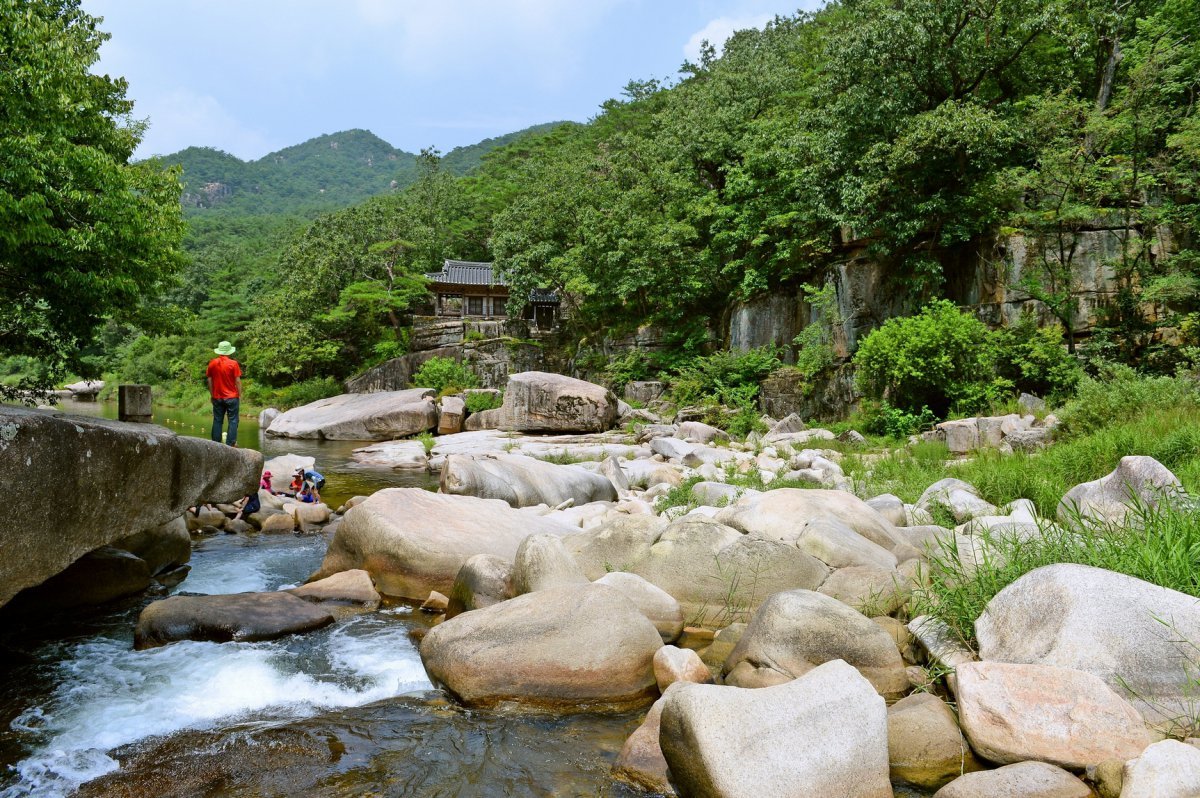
x,y
903,472
562,457
477,402
427,440
1171,435
680,495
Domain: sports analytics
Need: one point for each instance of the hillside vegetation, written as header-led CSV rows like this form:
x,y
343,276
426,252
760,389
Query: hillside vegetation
x,y
911,134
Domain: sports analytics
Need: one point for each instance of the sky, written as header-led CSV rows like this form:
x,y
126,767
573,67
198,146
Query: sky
x,y
254,76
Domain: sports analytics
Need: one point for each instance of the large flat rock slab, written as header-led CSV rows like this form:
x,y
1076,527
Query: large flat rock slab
x,y
412,541
75,483
598,446
381,416
239,617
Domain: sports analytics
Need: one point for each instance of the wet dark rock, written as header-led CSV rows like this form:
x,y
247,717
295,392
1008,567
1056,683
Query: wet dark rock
x,y
97,577
409,746
241,617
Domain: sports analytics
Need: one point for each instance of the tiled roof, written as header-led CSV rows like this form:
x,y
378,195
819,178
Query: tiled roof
x,y
465,272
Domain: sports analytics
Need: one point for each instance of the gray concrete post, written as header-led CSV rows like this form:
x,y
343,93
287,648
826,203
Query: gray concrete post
x,y
134,403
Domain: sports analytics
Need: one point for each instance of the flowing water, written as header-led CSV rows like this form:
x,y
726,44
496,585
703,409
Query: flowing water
x,y
344,711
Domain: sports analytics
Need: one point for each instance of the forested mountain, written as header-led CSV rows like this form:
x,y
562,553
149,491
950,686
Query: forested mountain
x,y
321,174
464,160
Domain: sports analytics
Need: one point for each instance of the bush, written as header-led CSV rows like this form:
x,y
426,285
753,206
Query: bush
x,y
301,393
1118,393
746,420
633,366
445,375
940,359
387,349
728,378
815,353
883,419
476,402
1034,359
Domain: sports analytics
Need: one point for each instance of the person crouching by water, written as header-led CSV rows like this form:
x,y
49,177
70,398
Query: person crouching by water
x,y
225,387
265,483
297,483
314,482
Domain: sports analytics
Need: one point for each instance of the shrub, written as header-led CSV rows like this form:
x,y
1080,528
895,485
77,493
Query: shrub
x,y
814,344
302,393
729,378
938,359
633,366
746,420
445,375
1034,359
473,335
1118,393
387,349
476,402
883,419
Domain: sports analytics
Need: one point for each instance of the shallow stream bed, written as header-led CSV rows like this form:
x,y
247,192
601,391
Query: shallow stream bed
x,y
344,711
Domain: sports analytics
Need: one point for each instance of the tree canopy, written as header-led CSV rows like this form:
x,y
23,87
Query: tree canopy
x,y
85,235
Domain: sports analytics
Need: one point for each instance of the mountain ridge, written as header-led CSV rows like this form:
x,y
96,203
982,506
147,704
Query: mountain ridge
x,y
323,173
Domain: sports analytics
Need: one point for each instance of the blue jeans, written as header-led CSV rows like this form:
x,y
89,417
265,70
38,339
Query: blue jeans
x,y
221,408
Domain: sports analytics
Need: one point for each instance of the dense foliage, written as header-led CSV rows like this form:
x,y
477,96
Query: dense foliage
x,y
84,234
912,134
943,359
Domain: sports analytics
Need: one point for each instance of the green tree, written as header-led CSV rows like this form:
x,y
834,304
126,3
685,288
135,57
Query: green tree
x,y
84,234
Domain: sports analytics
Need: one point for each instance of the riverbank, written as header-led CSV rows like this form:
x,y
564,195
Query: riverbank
x,y
791,574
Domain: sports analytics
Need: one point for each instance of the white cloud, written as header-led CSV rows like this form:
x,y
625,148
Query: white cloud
x,y
181,118
718,31
470,36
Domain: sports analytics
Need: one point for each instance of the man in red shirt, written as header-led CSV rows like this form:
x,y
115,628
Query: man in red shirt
x,y
225,387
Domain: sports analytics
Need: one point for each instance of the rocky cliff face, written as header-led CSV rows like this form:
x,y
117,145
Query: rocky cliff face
x,y
988,283
76,483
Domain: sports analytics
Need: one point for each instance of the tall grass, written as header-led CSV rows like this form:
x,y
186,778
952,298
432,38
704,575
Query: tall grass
x,y
1129,415
903,472
1159,545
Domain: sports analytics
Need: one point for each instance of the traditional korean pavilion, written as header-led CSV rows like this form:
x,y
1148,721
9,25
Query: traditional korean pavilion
x,y
472,290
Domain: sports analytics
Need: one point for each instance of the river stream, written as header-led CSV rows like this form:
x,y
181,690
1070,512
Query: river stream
x,y
345,711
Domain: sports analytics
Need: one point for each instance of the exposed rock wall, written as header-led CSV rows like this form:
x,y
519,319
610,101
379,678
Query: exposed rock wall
x,y
869,292
770,319
75,483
